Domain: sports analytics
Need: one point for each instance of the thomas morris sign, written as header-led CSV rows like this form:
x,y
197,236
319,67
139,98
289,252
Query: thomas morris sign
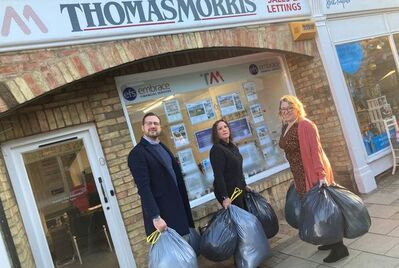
x,y
26,24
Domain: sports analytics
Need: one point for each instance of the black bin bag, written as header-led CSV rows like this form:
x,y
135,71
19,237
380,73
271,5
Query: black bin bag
x,y
258,206
194,240
219,240
321,221
292,206
253,246
171,250
357,220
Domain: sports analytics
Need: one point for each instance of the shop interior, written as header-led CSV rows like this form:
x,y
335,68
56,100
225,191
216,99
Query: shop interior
x,y
69,205
372,79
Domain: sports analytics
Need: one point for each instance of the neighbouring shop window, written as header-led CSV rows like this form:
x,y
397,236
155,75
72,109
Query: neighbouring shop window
x,y
246,95
372,79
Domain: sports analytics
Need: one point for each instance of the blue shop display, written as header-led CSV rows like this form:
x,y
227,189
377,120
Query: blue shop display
x,y
375,143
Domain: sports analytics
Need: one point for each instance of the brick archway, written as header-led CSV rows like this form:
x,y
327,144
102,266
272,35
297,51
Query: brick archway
x,y
27,75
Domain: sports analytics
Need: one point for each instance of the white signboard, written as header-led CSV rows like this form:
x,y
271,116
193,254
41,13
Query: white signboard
x,y
136,92
343,6
32,23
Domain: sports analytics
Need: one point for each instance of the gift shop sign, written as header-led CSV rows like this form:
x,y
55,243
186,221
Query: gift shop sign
x,y
343,6
26,24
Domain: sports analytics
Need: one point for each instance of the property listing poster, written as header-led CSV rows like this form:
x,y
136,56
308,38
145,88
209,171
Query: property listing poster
x,y
240,129
256,111
250,90
230,103
179,134
187,161
249,154
204,139
172,110
207,170
200,111
263,136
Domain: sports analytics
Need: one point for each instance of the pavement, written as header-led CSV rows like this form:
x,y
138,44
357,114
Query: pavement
x,y
376,249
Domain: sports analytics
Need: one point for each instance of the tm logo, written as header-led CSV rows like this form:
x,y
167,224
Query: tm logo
x,y
213,77
28,14
129,94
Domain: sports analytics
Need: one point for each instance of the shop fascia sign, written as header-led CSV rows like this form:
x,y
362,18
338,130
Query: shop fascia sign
x,y
136,92
27,24
344,6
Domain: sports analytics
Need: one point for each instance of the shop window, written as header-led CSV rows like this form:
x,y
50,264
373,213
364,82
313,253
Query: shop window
x,y
246,95
372,80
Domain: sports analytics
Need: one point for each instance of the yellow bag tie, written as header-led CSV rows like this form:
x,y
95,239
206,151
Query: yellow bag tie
x,y
153,238
235,194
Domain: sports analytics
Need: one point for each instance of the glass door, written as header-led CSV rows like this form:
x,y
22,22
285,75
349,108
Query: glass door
x,y
66,198
69,205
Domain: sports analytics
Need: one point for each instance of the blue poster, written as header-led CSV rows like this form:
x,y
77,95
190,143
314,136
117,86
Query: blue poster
x,y
204,139
240,129
350,57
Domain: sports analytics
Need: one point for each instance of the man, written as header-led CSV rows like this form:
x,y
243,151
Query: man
x,y
159,181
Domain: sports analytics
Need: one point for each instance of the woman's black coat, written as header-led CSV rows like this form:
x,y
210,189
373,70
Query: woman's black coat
x,y
226,162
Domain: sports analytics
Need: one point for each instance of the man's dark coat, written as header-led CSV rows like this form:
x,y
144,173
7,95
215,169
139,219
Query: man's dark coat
x,y
158,190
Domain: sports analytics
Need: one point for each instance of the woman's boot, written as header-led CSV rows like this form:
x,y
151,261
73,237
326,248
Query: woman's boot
x,y
338,251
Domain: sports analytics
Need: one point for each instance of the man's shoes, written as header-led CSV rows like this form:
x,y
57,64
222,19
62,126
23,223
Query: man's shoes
x,y
337,253
324,247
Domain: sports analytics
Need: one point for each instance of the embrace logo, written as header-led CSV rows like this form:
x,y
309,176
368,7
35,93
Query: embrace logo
x,y
253,69
129,94
28,13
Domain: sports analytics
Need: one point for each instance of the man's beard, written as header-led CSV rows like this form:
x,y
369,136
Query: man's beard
x,y
153,134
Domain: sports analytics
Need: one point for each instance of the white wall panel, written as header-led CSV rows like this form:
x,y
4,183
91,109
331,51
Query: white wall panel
x,y
355,28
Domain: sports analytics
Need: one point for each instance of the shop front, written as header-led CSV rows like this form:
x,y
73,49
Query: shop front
x,y
359,45
76,81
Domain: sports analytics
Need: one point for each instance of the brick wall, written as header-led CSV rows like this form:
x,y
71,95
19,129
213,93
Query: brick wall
x,y
311,86
96,100
25,75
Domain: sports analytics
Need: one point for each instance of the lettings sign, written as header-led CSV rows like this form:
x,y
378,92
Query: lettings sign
x,y
26,24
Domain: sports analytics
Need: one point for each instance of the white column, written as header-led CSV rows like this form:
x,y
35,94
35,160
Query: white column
x,y
364,177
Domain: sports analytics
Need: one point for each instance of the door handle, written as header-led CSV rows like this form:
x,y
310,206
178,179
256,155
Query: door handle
x,y
102,189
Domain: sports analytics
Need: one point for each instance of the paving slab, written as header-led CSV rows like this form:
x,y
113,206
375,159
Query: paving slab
x,y
394,252
296,262
383,226
369,260
375,243
382,211
381,198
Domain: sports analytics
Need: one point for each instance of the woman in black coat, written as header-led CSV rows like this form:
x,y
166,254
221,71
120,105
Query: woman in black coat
x,y
226,162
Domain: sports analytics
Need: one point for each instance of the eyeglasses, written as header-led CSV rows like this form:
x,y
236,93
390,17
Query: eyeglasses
x,y
289,109
152,123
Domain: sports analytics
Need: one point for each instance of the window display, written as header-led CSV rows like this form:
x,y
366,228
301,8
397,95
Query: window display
x,y
247,100
371,76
